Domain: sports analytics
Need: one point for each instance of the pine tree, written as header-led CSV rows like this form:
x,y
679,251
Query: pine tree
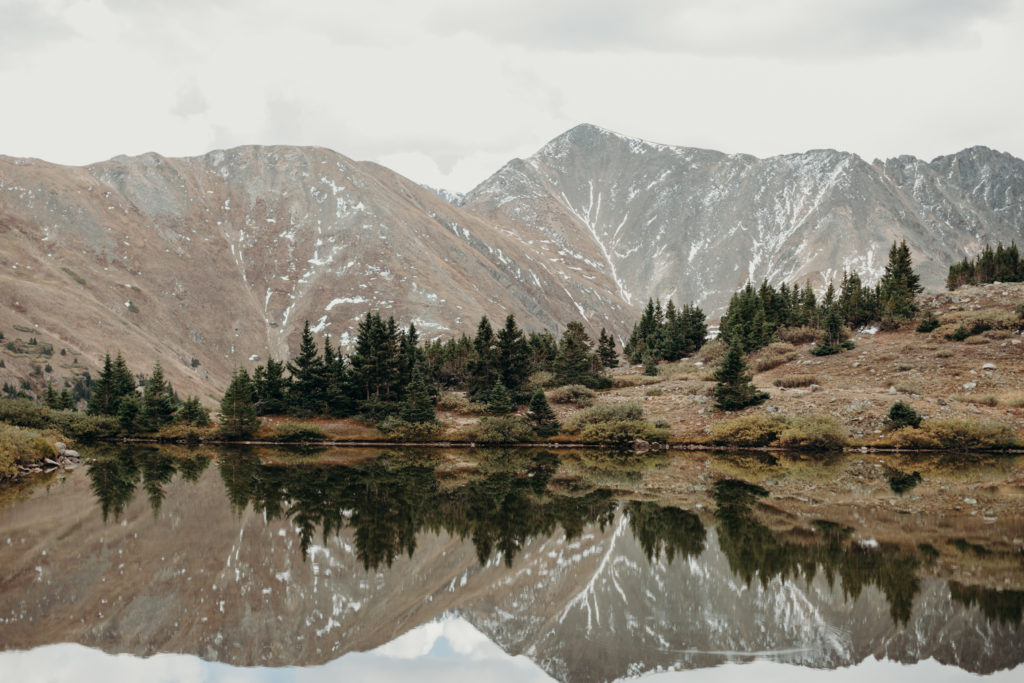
x,y
572,365
483,369
102,401
50,397
650,365
338,401
512,356
606,350
418,406
157,408
541,416
735,389
499,401
65,401
308,385
238,418
899,284
194,413
271,388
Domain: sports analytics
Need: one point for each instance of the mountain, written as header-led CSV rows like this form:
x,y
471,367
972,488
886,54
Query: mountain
x,y
216,261
695,225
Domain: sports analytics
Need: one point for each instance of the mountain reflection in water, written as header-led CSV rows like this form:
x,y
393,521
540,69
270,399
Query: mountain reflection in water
x,y
553,556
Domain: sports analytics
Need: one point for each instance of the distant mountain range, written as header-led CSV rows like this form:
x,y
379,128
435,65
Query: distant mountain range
x,y
221,258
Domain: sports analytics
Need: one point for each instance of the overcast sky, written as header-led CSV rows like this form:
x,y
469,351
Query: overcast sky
x,y
447,91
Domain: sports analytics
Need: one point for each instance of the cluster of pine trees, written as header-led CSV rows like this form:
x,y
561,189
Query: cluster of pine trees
x,y
1002,264
755,315
115,393
668,334
390,374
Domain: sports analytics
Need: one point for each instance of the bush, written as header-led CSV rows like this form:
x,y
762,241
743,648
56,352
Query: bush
x,y
399,430
817,432
458,403
793,381
768,359
909,438
297,431
797,335
712,352
24,413
966,435
19,446
622,432
183,433
903,415
749,430
576,394
603,412
507,429
928,323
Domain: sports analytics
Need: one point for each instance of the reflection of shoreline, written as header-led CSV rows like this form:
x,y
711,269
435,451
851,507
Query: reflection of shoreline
x,y
404,542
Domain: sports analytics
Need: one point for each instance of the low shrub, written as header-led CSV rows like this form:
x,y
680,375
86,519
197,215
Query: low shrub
x,y
768,360
78,426
909,388
928,323
654,392
297,431
181,432
20,446
623,431
576,394
711,353
909,438
817,432
398,429
613,423
603,412
793,381
749,430
944,353
961,434
903,415
624,381
797,335
506,429
1014,400
458,403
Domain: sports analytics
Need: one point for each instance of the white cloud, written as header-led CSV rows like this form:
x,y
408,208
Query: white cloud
x,y
446,92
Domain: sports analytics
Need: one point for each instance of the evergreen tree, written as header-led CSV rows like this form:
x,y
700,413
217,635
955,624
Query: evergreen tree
x,y
50,397
157,408
899,284
238,418
573,363
194,413
499,401
271,388
418,407
65,400
338,400
735,390
606,350
513,357
650,365
541,416
376,362
543,350
128,412
309,383
483,369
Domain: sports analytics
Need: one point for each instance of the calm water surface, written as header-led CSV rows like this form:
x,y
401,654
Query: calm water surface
x,y
167,564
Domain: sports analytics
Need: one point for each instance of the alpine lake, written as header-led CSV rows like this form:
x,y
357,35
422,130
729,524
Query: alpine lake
x,y
217,564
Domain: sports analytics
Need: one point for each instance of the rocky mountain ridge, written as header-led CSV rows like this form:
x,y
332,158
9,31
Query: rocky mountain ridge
x,y
216,261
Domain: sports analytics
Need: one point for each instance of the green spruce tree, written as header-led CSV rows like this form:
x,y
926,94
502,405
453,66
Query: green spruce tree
x,y
238,418
157,408
734,389
418,406
541,416
499,401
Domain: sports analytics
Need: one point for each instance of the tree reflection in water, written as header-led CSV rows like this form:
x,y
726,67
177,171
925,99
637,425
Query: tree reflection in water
x,y
753,549
388,501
